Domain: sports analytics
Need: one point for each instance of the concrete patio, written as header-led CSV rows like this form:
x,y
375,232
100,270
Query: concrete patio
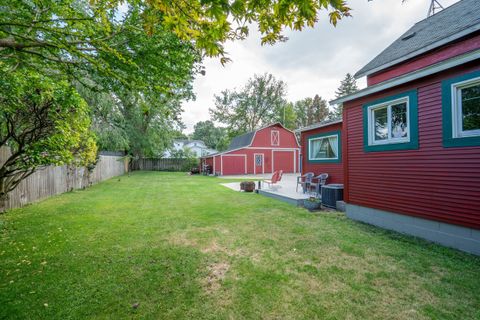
x,y
285,190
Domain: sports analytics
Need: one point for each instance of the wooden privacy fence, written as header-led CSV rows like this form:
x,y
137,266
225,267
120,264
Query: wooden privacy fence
x,y
162,164
52,180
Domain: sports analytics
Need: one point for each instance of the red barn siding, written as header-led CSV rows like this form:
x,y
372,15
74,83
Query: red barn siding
x,y
263,138
432,182
334,170
261,144
440,54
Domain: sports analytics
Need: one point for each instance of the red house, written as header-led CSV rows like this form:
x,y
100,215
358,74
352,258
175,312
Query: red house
x,y
261,151
411,139
322,149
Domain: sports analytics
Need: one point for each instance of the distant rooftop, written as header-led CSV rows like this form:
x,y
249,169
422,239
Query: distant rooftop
x,y
450,24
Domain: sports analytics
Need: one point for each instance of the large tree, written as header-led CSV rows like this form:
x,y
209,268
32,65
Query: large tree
x,y
310,111
255,105
133,80
209,133
347,86
287,115
302,108
318,110
43,121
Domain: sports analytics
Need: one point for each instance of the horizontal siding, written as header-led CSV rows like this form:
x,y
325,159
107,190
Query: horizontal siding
x,y
432,182
263,138
334,170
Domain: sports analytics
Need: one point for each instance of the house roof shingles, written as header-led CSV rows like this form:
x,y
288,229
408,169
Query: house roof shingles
x,y
454,22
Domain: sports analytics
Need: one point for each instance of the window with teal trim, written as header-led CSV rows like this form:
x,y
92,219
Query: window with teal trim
x,y
324,148
391,123
461,110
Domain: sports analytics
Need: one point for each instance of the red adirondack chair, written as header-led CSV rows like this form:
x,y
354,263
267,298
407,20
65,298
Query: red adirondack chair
x,y
276,177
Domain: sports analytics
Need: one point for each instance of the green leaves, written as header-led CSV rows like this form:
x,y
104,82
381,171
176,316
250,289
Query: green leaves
x,y
43,121
257,104
204,22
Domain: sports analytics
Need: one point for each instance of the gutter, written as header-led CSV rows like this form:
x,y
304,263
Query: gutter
x,y
318,125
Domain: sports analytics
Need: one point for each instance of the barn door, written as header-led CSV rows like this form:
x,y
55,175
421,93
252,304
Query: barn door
x,y
259,164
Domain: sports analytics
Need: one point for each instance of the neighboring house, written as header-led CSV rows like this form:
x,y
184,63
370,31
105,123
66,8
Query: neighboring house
x,y
411,139
261,151
197,147
322,149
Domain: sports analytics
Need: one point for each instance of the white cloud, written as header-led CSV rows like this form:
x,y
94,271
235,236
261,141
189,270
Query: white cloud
x,y
313,61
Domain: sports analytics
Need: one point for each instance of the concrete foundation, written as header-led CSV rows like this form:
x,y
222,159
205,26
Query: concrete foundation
x,y
458,237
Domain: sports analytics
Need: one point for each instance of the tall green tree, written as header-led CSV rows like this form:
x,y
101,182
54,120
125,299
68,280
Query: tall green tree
x,y
209,133
302,108
318,110
140,118
255,105
287,115
43,121
347,86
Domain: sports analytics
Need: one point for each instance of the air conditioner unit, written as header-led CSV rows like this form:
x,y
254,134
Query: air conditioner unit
x,y
331,193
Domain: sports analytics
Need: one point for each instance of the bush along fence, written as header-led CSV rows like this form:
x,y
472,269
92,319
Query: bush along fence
x,y
53,180
165,164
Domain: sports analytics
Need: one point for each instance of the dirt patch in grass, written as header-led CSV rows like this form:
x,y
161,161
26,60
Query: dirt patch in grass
x,y
181,239
216,274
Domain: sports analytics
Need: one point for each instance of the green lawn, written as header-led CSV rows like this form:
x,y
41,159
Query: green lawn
x,y
178,246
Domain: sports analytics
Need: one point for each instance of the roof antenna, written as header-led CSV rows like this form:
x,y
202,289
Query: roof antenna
x,y
434,7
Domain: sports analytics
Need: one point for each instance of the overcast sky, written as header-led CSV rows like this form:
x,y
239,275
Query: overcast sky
x,y
312,61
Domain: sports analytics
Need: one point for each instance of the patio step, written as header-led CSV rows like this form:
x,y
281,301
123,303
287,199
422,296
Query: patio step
x,y
294,201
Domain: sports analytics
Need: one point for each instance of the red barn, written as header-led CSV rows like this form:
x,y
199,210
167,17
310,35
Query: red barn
x,y
411,139
322,149
261,151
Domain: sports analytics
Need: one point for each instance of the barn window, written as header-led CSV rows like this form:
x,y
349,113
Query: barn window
x,y
275,137
461,110
324,147
258,160
391,123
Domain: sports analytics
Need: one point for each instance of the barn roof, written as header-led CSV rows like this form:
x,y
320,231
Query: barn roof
x,y
245,139
241,141
450,24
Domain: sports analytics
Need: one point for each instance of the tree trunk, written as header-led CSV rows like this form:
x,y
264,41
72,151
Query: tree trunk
x,y
3,196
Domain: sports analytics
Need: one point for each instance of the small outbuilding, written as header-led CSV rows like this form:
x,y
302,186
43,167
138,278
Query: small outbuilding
x,y
265,150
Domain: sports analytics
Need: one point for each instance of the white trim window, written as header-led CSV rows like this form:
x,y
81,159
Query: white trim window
x,y
389,122
275,137
466,108
258,160
323,148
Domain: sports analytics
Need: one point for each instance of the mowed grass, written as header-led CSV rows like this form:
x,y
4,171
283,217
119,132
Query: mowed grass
x,y
171,246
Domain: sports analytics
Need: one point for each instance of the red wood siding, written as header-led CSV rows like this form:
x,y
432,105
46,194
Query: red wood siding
x,y
284,160
285,163
432,182
334,170
216,167
439,54
261,144
263,138
234,164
